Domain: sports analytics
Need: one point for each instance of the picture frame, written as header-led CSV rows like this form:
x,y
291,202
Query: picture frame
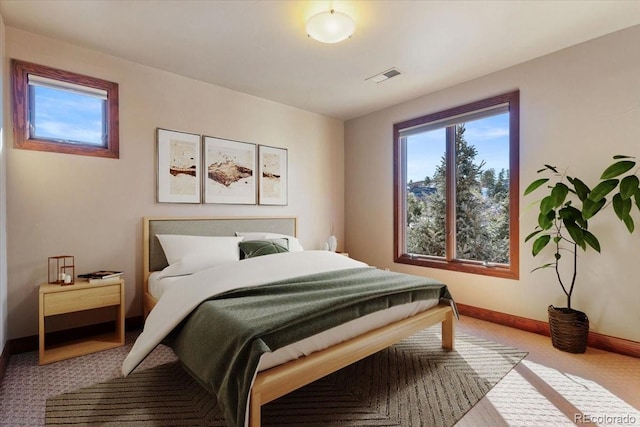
x,y
273,175
230,170
179,167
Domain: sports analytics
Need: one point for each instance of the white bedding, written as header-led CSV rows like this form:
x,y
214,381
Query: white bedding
x,y
178,296
157,288
179,300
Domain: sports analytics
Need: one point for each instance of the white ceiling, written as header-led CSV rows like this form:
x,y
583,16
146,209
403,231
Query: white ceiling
x,y
260,47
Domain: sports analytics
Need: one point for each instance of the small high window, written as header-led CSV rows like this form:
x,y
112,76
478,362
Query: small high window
x,y
64,112
456,188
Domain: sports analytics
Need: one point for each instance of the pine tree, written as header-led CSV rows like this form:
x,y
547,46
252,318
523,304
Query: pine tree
x,y
471,234
482,220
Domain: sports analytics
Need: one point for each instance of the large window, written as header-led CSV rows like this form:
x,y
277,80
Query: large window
x,y
456,188
64,112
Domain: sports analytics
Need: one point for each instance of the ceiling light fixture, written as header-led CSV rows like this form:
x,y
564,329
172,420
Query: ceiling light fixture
x,y
330,27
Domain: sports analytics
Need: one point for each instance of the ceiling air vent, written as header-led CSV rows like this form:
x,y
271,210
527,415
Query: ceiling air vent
x,y
385,75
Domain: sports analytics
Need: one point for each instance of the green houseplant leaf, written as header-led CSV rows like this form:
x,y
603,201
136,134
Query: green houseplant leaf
x,y
549,167
546,221
576,233
581,188
591,240
628,186
622,207
547,204
569,212
559,194
602,189
535,233
535,184
590,208
547,265
617,169
540,243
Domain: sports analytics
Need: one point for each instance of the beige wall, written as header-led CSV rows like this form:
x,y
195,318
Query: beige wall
x,y
3,203
579,107
92,208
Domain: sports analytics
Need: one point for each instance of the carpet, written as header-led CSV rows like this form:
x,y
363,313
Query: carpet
x,y
413,383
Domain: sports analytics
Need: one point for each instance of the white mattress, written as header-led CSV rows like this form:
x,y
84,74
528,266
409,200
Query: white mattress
x,y
322,340
343,332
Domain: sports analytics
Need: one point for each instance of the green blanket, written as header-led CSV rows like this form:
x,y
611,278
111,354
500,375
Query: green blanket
x,y
221,342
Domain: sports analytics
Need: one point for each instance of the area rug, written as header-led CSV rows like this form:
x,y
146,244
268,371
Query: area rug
x,y
413,383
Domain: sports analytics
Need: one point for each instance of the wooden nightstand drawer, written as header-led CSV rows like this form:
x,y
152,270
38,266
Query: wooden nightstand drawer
x,y
82,299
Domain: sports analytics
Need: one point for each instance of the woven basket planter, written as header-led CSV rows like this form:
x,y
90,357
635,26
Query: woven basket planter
x,y
569,329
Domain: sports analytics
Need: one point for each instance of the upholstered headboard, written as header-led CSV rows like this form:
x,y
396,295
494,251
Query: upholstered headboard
x,y
153,255
203,226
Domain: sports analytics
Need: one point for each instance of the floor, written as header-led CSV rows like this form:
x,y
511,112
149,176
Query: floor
x,y
549,388
554,388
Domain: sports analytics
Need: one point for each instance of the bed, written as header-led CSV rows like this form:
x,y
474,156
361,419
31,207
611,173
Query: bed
x,y
279,373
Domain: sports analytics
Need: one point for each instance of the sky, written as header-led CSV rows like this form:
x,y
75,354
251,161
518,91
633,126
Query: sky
x,y
65,115
489,135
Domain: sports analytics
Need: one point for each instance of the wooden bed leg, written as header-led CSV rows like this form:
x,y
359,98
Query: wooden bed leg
x,y
254,410
448,332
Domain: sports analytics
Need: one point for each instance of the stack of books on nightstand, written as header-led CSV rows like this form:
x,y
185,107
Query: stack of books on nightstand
x,y
102,276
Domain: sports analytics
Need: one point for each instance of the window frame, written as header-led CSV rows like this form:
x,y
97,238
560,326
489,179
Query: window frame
x,y
22,138
511,271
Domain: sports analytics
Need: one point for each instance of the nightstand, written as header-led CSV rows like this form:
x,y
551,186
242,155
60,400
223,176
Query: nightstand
x,y
58,299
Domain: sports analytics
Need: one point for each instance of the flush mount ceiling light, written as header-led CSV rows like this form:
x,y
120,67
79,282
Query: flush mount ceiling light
x,y
330,27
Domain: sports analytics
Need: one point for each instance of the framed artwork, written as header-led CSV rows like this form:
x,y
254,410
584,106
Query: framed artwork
x,y
229,171
272,163
178,167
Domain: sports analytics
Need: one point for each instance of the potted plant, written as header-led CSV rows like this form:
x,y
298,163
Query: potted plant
x,y
565,210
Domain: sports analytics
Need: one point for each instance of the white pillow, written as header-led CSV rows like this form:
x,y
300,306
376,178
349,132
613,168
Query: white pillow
x,y
191,263
218,248
294,244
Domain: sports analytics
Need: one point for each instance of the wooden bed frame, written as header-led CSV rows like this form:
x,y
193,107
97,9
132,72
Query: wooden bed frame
x,y
280,380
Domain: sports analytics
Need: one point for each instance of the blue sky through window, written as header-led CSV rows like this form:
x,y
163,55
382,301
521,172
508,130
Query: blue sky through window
x,y
68,116
490,136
